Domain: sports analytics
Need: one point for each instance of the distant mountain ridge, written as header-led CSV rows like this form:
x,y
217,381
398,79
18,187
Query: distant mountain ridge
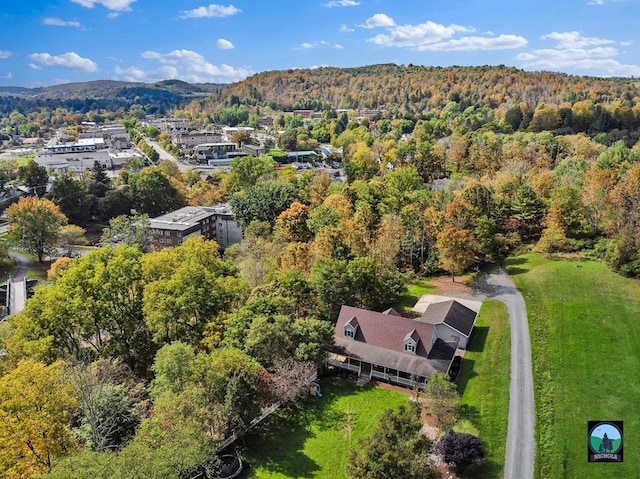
x,y
111,89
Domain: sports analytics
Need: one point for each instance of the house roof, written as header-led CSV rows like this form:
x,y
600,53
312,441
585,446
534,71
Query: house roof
x,y
384,330
451,313
438,361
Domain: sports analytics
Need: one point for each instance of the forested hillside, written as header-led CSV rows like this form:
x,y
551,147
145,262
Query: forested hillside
x,y
425,91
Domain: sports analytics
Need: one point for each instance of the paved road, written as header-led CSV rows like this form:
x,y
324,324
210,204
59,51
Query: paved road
x,y
520,454
21,268
164,155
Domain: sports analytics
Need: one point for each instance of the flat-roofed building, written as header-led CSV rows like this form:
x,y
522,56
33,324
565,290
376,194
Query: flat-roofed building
x,y
74,161
211,222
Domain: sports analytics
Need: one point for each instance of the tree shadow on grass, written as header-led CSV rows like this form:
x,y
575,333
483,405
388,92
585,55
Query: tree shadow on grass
x,y
512,271
278,444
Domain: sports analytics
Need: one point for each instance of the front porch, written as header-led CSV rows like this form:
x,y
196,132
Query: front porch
x,y
369,371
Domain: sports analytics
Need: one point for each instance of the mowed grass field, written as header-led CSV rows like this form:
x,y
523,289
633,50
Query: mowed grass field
x,y
585,329
312,441
483,384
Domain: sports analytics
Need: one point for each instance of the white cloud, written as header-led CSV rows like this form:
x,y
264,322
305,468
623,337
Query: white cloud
x,y
184,65
472,43
337,46
310,45
117,5
223,44
341,3
378,20
344,28
58,22
68,60
417,36
4,54
571,52
431,36
212,10
8,76
575,40
113,15
33,66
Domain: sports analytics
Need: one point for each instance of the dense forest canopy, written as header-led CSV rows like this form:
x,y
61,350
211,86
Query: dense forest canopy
x,y
421,90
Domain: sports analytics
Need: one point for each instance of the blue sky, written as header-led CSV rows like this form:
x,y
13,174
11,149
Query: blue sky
x,y
50,42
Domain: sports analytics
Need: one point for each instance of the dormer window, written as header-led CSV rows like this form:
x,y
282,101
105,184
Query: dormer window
x,y
350,328
411,342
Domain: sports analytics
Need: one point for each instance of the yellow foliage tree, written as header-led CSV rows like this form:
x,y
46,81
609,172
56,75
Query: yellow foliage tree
x,y
35,404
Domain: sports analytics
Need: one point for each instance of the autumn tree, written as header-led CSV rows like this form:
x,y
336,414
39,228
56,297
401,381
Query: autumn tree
x,y
292,222
34,224
35,406
455,248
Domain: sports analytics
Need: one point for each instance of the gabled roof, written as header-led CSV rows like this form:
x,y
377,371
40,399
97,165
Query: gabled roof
x,y
451,313
353,322
392,312
413,335
384,330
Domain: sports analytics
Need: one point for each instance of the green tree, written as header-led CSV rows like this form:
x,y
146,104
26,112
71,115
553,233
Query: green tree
x,y
133,230
115,203
34,225
194,288
34,176
442,399
395,449
262,202
106,405
94,308
152,193
72,198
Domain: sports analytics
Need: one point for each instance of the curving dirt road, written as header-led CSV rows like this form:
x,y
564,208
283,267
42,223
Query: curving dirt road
x,y
520,454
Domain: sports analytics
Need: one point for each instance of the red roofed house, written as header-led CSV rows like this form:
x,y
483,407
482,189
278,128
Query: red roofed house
x,y
401,350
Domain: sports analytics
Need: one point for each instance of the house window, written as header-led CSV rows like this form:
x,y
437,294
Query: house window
x,y
409,347
349,333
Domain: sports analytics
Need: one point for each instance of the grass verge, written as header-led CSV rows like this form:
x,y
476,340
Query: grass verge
x,y
585,333
312,441
483,384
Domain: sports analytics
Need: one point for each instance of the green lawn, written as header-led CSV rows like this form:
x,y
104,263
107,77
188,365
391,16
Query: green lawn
x,y
484,384
585,327
415,290
312,441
